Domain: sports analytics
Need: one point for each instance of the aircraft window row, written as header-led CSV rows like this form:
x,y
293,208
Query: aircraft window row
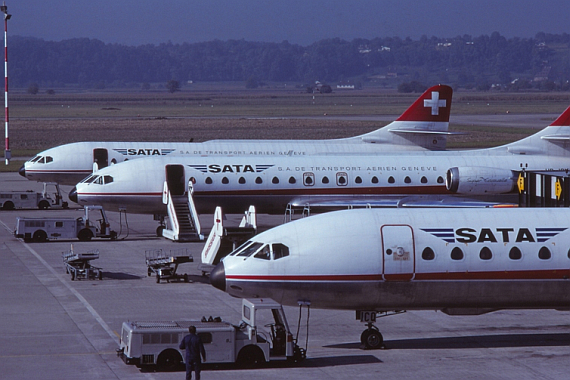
x,y
486,254
42,159
309,181
261,251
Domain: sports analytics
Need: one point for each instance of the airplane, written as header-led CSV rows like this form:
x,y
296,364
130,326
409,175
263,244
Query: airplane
x,y
271,183
384,261
423,126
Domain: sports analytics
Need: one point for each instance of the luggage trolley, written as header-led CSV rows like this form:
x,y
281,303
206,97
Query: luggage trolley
x,y
164,265
79,265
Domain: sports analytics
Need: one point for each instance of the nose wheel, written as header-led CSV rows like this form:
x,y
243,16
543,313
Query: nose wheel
x,y
371,338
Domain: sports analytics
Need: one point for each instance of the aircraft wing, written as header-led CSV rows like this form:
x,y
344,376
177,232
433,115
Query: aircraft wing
x,y
325,203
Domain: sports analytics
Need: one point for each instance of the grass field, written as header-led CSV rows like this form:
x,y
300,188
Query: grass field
x,y
38,122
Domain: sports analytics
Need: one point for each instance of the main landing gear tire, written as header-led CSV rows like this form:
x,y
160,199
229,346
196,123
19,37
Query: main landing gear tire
x,y
372,339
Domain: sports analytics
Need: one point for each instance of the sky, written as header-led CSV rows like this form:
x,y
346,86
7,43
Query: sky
x,y
139,22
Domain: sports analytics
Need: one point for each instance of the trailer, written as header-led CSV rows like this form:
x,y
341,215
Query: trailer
x,y
262,335
78,265
165,265
94,223
11,200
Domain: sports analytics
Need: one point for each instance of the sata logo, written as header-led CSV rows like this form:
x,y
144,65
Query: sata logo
x,y
144,152
494,235
216,168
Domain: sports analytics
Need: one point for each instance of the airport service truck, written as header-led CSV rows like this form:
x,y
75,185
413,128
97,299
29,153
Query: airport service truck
x,y
262,335
93,224
10,200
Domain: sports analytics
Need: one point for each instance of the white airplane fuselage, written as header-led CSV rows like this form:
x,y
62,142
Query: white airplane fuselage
x,y
272,182
460,261
423,126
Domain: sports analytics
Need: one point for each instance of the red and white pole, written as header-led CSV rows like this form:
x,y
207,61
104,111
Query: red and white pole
x,y
4,9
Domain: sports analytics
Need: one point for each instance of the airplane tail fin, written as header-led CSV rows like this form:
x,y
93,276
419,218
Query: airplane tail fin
x,y
424,124
553,140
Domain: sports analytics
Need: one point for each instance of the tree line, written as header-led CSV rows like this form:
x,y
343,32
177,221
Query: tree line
x,y
464,61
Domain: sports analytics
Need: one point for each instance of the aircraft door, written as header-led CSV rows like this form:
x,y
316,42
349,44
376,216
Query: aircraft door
x,y
176,179
398,252
100,158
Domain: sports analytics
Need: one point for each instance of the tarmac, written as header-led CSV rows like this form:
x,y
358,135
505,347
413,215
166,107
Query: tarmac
x,y
55,328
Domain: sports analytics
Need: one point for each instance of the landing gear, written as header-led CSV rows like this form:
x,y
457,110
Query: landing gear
x,y
371,338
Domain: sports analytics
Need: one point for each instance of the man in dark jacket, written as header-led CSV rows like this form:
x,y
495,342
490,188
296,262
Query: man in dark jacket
x,y
194,349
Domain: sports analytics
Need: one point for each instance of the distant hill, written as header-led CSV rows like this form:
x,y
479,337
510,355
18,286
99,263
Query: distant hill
x,y
542,62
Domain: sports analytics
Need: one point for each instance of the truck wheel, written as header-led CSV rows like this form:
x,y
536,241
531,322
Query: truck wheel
x,y
250,357
40,236
169,360
8,205
85,235
43,205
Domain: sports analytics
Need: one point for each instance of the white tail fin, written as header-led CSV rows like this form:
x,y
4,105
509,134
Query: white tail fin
x,y
423,125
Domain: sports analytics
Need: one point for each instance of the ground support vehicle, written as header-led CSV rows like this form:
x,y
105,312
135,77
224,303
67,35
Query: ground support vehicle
x,y
262,335
10,200
164,265
78,265
93,224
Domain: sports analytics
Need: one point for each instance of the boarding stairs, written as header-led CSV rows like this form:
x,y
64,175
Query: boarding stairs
x,y
183,220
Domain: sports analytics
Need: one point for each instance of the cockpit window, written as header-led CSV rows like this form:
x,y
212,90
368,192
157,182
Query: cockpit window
x,y
264,253
98,180
89,179
250,250
107,179
240,248
280,251
35,159
49,159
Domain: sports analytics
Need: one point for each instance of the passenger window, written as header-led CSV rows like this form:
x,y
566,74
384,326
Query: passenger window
x,y
280,251
424,180
456,254
292,180
208,181
374,179
325,180
391,180
407,180
250,250
544,253
264,254
258,180
440,179
515,254
225,180
275,180
358,180
428,254
485,254
241,180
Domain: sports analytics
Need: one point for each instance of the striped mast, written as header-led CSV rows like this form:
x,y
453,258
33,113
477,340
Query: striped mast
x,y
4,9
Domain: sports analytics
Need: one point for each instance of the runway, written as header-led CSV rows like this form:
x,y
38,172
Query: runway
x,y
55,328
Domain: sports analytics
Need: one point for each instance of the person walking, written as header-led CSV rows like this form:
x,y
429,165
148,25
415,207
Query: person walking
x,y
194,352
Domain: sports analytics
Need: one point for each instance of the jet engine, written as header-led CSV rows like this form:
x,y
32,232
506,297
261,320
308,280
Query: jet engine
x,y
479,180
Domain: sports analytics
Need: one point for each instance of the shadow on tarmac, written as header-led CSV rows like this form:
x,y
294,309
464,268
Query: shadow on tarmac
x,y
475,341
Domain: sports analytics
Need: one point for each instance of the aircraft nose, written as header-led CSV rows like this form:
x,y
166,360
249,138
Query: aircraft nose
x,y
73,195
218,277
22,171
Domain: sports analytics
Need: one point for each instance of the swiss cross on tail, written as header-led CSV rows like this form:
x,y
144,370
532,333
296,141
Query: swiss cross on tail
x,y
433,105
